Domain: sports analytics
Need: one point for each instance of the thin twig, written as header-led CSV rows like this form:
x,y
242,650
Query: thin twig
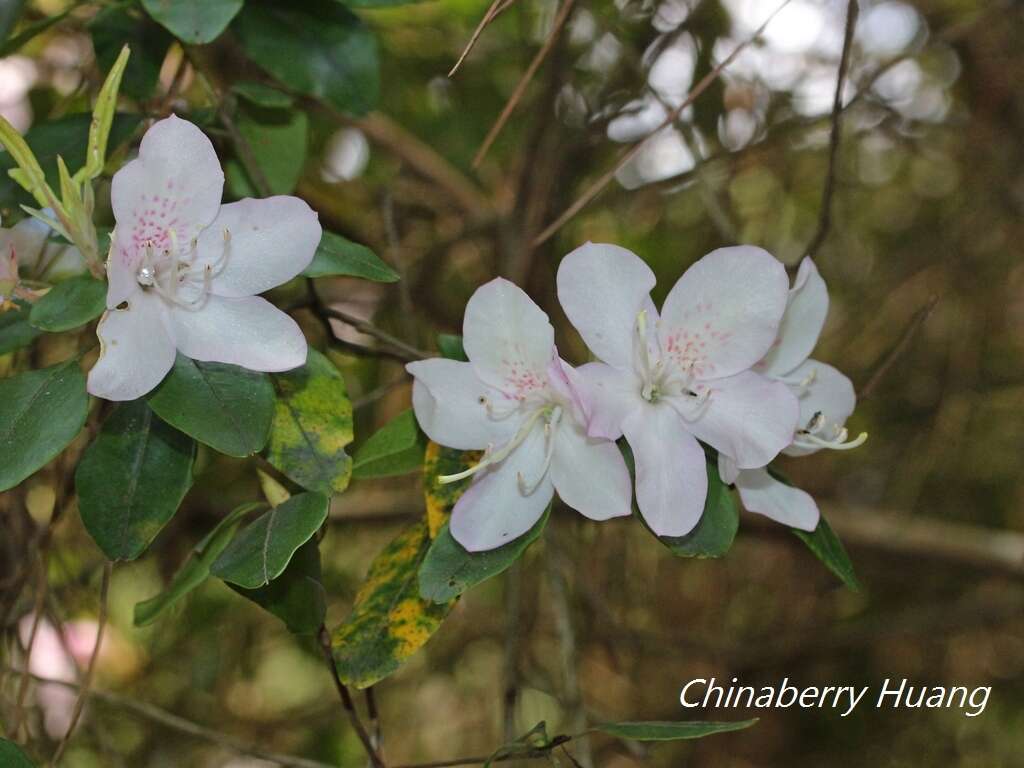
x,y
520,89
376,732
496,8
407,352
598,186
378,392
886,364
513,611
83,690
835,135
346,699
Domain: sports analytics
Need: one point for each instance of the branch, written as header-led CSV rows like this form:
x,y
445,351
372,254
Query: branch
x,y
496,8
405,351
835,136
883,368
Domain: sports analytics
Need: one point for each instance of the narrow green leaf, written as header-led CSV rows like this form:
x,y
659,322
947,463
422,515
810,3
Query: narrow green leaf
x,y
525,746
196,568
70,304
261,552
132,480
395,449
29,32
10,10
827,547
31,176
40,413
669,731
11,756
716,531
312,426
277,139
450,346
262,95
103,119
194,21
297,596
223,406
15,330
337,257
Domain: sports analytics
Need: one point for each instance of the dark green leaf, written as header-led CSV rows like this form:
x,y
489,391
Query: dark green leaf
x,y
112,29
338,64
277,139
70,304
450,346
378,3
526,746
827,547
194,21
449,570
261,552
717,528
226,407
395,449
312,426
10,10
669,731
337,256
297,596
132,479
40,413
262,95
196,569
15,330
11,756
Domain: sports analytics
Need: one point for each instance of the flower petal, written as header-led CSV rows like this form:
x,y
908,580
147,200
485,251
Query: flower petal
x,y
748,417
494,510
829,393
250,332
763,494
590,475
602,289
727,469
446,396
671,474
723,314
175,184
610,395
508,339
806,310
27,239
256,245
136,350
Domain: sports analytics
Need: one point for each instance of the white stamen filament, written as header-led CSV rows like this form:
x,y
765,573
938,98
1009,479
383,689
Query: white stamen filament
x,y
165,273
549,436
810,438
492,456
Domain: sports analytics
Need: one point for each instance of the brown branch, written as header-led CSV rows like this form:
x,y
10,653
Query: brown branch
x,y
496,8
524,81
402,350
83,690
883,368
598,186
835,135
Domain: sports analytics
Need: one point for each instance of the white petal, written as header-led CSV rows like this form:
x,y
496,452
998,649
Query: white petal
x,y
494,510
28,240
590,475
671,472
748,417
268,242
446,396
806,310
763,494
175,184
723,314
727,469
508,339
609,396
602,289
136,350
249,332
829,393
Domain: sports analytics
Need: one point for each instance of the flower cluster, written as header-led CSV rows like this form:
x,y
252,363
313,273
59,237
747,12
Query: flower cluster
x,y
725,362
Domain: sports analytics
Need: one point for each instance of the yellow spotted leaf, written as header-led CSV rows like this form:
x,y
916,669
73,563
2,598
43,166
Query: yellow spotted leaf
x,y
441,497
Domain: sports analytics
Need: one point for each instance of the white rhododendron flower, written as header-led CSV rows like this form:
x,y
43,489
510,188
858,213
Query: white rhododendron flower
x,y
826,399
184,270
665,382
518,401
27,244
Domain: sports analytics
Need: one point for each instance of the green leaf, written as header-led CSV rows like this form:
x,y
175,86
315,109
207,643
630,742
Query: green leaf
x,y
40,413
262,95
827,547
277,138
669,731
338,65
194,21
337,256
395,449
10,10
223,406
312,425
11,756
449,570
15,330
112,29
261,552
378,3
196,569
102,121
717,528
389,620
534,743
297,596
7,18
450,346
132,480
70,304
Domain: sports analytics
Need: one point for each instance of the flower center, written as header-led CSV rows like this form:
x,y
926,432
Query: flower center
x,y
658,380
819,432
173,272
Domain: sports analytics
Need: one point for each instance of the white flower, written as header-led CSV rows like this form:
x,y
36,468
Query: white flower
x,y
29,243
184,270
826,400
666,382
518,401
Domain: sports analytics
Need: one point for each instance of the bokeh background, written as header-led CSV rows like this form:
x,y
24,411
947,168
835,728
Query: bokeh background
x,y
923,257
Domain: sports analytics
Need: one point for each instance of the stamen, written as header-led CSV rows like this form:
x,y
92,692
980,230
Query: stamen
x,y
840,443
494,457
549,437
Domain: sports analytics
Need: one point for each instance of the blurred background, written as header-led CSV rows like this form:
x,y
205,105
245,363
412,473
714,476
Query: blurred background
x,y
923,258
